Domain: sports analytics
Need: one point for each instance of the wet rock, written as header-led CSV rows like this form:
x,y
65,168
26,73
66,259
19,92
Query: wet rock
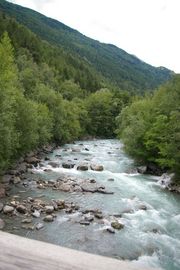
x,y
110,230
2,224
86,187
26,220
2,192
53,164
111,179
84,222
77,188
82,167
117,225
142,207
98,168
49,209
1,206
65,187
60,204
92,181
86,149
76,150
47,170
21,209
16,180
28,227
39,226
32,160
46,158
98,215
8,209
68,165
104,191
89,218
36,214
14,203
48,218
117,215
142,169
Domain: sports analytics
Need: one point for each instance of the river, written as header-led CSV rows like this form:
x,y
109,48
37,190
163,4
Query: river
x,y
150,214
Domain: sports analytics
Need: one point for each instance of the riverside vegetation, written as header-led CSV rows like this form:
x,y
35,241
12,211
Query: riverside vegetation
x,y
52,95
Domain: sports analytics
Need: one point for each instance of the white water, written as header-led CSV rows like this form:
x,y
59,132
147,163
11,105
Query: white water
x,y
149,238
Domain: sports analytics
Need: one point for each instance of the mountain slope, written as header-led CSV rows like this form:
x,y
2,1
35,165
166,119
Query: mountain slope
x,y
120,68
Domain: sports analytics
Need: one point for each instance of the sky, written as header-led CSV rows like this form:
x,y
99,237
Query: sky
x,y
148,29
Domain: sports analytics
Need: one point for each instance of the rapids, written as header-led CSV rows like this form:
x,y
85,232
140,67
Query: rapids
x,y
150,237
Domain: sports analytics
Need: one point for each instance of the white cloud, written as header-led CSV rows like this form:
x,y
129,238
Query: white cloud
x,y
146,28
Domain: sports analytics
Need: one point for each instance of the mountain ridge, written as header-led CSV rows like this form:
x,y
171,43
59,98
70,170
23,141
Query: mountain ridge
x,y
123,70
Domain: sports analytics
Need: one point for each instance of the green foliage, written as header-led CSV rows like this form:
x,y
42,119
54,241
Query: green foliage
x,y
88,62
150,127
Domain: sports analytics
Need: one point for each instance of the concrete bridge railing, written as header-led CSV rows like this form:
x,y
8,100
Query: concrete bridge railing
x,y
18,253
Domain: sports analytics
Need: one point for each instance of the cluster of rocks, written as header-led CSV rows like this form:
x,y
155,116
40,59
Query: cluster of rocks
x,y
31,209
18,170
81,167
71,184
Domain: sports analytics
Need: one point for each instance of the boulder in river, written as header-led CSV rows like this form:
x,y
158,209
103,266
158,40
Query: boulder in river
x,y
97,168
68,165
53,164
8,209
21,209
117,225
82,167
48,218
142,169
84,222
39,226
49,209
26,220
32,160
36,214
110,230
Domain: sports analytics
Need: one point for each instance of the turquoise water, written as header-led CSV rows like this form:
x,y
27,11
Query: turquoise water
x,y
150,237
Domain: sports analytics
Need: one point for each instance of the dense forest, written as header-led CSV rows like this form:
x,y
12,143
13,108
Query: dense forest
x,y
116,67
49,94
41,100
150,127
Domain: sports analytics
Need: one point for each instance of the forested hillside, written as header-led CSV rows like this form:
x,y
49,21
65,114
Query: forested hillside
x,y
121,69
150,127
48,95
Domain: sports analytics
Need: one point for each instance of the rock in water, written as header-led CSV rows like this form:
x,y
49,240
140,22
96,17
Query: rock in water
x,y
8,209
97,168
26,220
110,230
36,214
116,225
82,167
68,165
21,209
39,226
48,218
49,209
